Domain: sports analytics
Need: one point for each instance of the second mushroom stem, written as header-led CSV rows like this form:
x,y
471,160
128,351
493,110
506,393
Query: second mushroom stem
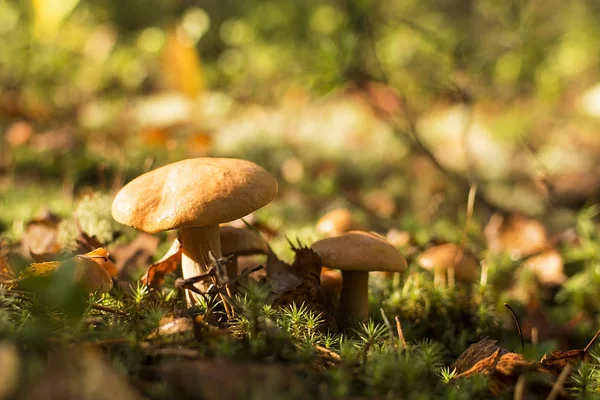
x,y
354,300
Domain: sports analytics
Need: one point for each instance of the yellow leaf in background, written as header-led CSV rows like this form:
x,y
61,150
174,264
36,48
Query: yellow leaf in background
x,y
198,144
48,16
39,269
181,66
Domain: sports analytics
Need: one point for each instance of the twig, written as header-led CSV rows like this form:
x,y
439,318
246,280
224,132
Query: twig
x,y
387,323
463,240
514,315
400,333
109,309
519,393
560,382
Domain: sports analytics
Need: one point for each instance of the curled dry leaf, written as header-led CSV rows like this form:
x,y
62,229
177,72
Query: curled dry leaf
x,y
155,277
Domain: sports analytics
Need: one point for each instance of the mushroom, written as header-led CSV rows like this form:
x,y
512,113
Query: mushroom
x,y
336,222
240,242
356,253
441,258
548,268
517,235
194,195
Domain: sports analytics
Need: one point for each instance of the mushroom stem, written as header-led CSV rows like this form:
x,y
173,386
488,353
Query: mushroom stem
x,y
354,300
196,243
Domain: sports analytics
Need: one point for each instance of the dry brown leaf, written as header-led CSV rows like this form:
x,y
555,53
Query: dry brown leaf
x,y
135,254
41,235
475,353
484,366
556,360
155,276
280,276
307,264
6,270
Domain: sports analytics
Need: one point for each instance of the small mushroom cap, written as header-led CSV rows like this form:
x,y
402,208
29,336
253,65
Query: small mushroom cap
x,y
241,242
193,192
336,222
359,251
548,267
441,257
517,235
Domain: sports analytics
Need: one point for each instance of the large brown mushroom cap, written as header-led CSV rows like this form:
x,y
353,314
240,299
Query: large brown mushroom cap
x,y
359,251
442,257
193,192
241,241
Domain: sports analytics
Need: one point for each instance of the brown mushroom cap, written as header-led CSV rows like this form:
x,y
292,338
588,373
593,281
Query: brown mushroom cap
x,y
517,235
548,267
193,192
359,251
442,257
241,241
336,222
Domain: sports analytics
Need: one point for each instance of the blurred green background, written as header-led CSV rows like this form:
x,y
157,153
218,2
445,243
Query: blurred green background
x,y
394,106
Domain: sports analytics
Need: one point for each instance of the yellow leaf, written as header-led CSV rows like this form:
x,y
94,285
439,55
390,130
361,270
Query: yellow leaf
x,y
39,269
48,16
182,68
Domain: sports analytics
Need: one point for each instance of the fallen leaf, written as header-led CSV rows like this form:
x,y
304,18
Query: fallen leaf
x,y
556,360
475,353
307,264
280,276
155,276
134,254
41,235
484,366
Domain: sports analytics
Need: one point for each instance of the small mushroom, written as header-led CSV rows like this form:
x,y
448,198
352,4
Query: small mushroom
x,y
240,242
517,235
356,253
441,258
336,222
548,268
194,196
